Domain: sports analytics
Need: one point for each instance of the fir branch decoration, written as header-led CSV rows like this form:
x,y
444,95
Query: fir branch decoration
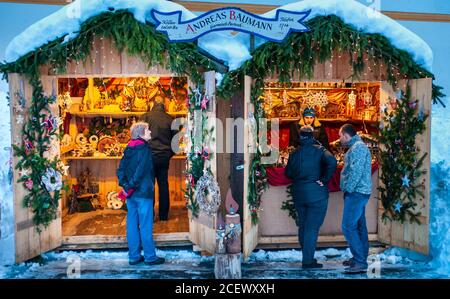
x,y
288,204
402,164
32,164
299,52
197,157
257,183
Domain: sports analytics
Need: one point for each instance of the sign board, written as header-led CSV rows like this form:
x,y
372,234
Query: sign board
x,y
230,18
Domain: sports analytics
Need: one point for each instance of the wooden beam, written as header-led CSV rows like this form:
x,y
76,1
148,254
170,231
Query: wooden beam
x,y
260,9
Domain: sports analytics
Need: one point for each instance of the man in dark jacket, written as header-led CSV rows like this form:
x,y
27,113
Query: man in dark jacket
x,y
311,167
308,119
160,125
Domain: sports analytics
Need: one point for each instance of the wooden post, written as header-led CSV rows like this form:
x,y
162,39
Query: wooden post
x,y
228,266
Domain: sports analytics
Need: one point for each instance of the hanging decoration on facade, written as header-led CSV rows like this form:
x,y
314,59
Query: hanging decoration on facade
x,y
207,193
201,187
230,18
402,163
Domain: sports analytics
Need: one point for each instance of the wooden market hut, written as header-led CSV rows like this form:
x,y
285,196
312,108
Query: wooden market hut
x,y
319,61
105,48
112,45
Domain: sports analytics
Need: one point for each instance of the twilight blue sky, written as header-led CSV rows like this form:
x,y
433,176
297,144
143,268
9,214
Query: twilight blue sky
x,y
14,18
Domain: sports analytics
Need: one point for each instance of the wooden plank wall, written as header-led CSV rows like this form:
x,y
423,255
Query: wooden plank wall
x,y
202,229
250,230
28,242
106,60
412,235
105,172
338,69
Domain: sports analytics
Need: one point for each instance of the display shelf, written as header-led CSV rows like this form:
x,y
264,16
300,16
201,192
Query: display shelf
x,y
119,114
337,120
176,157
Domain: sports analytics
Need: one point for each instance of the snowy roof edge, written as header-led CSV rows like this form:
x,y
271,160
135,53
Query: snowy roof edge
x,y
67,21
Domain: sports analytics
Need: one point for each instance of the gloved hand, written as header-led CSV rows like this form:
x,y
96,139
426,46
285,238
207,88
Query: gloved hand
x,y
123,194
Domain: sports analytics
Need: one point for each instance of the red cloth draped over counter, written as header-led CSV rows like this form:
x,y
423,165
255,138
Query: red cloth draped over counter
x,y
276,177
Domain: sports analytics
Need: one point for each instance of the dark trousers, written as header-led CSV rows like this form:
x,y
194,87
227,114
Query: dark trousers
x,y
161,169
310,219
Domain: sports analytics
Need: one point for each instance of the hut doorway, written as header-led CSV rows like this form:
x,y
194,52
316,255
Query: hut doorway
x,y
96,130
336,103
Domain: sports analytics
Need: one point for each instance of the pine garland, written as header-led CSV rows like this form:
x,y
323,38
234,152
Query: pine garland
x,y
129,35
401,161
197,157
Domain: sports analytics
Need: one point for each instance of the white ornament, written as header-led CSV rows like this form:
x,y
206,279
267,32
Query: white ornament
x,y
52,180
321,99
367,96
24,172
352,100
210,203
285,97
308,100
19,119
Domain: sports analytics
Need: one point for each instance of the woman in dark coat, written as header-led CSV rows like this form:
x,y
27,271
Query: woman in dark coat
x,y
310,167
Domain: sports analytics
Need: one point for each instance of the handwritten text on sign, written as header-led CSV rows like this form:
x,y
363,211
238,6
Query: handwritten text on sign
x,y
230,18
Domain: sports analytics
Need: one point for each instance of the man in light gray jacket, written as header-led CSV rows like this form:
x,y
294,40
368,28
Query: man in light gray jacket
x,y
356,183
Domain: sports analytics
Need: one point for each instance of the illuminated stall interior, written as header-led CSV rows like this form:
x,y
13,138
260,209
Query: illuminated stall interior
x,y
97,114
335,104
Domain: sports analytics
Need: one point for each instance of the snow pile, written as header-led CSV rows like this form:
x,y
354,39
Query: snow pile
x,y
367,20
66,23
294,255
6,198
232,49
178,256
440,186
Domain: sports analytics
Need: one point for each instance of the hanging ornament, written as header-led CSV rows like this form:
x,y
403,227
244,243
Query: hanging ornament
x,y
65,101
18,108
19,119
197,97
285,97
406,181
204,103
367,96
352,100
29,184
206,154
208,201
398,207
321,99
308,100
52,180
63,168
24,172
413,105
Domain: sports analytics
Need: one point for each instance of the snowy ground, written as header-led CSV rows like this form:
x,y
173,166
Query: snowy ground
x,y
185,264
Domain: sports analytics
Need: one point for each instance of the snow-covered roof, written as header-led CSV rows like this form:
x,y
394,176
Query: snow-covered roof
x,y
234,49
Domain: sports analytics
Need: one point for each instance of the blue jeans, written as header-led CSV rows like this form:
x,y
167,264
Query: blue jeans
x,y
140,228
354,226
310,219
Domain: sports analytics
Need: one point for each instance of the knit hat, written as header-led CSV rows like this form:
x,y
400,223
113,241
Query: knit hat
x,y
306,132
309,112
